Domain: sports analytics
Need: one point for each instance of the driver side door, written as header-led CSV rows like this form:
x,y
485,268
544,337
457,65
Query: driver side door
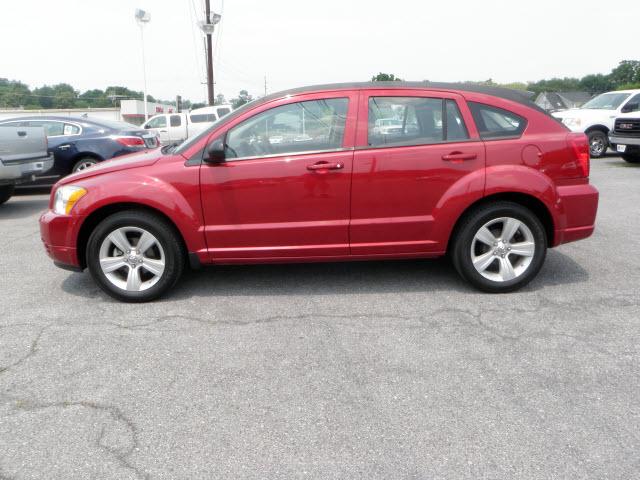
x,y
284,188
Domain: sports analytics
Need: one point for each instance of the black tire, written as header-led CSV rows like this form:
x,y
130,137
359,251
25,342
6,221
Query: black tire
x,y
168,238
83,163
631,158
6,192
472,223
598,143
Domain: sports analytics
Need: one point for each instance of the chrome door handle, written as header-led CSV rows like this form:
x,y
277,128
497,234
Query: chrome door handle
x,y
64,147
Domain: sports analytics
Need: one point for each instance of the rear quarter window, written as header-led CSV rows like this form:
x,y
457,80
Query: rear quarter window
x,y
495,123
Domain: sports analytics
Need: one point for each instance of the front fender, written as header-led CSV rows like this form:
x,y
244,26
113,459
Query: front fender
x,y
178,199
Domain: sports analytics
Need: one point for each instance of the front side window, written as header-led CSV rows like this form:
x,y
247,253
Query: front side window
x,y
223,111
175,120
158,122
633,105
301,127
405,121
496,123
51,129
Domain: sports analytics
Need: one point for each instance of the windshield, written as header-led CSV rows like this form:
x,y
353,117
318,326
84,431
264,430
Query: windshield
x,y
606,101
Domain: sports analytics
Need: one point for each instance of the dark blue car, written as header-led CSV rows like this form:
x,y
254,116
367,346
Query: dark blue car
x,y
78,143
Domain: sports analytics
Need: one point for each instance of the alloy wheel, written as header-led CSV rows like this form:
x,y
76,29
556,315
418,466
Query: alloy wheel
x,y
503,249
132,259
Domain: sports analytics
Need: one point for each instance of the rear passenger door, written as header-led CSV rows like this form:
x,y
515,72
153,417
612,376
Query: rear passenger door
x,y
413,147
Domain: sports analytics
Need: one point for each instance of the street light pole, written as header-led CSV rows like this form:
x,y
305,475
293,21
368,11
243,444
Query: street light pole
x,y
143,18
208,27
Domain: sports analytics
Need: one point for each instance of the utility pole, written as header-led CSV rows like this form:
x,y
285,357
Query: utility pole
x,y
207,27
209,55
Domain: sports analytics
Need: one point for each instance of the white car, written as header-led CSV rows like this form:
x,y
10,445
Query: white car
x,y
596,117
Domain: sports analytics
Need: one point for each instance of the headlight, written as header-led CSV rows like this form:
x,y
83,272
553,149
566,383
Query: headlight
x,y
572,122
66,197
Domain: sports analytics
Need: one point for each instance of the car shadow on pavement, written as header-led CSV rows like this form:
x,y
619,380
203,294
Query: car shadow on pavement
x,y
315,279
22,207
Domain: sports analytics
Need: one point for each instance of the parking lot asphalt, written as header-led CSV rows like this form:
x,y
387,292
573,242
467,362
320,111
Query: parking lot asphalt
x,y
353,370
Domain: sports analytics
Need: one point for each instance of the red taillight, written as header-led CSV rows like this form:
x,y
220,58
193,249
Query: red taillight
x,y
579,144
130,141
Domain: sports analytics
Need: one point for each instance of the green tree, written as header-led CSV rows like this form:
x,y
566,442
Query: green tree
x,y
385,77
14,94
596,83
242,98
627,71
44,96
94,98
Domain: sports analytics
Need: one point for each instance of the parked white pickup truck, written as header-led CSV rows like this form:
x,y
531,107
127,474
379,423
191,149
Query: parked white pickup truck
x,y
596,117
626,137
23,155
177,127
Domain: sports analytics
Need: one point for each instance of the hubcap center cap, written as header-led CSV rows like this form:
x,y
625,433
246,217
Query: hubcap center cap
x,y
134,258
501,249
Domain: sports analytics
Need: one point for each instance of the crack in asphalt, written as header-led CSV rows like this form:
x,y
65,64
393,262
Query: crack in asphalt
x,y
120,455
33,349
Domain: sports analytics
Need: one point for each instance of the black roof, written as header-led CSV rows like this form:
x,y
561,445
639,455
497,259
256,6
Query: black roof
x,y
505,93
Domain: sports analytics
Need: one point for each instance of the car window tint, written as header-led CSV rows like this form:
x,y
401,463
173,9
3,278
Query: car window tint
x,y
223,111
175,120
158,122
455,127
294,128
495,123
203,117
70,129
50,128
405,121
634,100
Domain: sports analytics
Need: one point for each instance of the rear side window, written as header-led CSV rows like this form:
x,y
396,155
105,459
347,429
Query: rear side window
x,y
405,121
175,120
223,111
496,123
203,117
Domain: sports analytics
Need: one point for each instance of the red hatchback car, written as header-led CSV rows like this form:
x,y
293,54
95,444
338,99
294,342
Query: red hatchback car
x,y
335,172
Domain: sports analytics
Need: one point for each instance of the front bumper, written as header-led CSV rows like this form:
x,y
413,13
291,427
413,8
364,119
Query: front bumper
x,y
59,234
24,171
619,140
579,206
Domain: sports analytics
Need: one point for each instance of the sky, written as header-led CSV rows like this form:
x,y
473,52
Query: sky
x,y
95,44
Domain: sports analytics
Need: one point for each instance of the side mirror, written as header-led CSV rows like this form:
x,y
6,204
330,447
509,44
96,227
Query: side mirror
x,y
215,152
630,107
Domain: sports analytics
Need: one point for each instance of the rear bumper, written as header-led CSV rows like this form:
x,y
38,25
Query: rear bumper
x,y
24,171
59,233
579,206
